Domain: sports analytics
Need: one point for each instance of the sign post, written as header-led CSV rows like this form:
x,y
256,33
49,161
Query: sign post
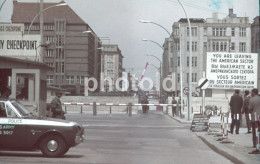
x,y
203,84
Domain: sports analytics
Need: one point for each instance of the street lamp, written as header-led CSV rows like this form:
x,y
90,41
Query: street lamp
x,y
190,56
2,5
147,40
146,21
160,73
82,32
61,4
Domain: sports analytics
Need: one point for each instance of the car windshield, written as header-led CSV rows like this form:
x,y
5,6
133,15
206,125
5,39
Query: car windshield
x,y
21,109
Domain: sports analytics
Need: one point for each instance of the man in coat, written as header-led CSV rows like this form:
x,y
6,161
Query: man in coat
x,y
236,104
254,108
174,103
246,111
56,107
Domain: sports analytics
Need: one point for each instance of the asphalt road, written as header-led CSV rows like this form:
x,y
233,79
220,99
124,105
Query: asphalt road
x,y
151,138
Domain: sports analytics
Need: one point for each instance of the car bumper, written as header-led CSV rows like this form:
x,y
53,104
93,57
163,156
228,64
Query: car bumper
x,y
79,139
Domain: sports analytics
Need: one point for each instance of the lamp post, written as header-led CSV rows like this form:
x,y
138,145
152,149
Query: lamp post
x,y
146,21
61,4
190,70
2,5
160,73
147,40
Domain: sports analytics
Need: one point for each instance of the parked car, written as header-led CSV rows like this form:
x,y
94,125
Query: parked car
x,y
20,130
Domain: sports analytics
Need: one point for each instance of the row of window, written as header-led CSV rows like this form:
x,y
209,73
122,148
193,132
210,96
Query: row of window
x,y
220,31
193,77
216,46
59,53
69,79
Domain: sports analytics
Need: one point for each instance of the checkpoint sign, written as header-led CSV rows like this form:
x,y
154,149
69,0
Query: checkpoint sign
x,y
186,90
203,83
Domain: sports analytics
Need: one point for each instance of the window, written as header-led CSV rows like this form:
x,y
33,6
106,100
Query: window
x,y
50,79
178,77
205,31
62,67
194,46
50,53
60,40
48,27
110,65
233,46
50,64
187,77
177,46
10,112
242,46
188,60
193,31
188,46
242,32
176,30
205,46
178,60
50,39
218,31
233,32
109,57
80,80
194,77
70,79
194,61
110,73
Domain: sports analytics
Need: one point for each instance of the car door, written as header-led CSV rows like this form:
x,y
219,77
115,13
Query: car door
x,y
12,128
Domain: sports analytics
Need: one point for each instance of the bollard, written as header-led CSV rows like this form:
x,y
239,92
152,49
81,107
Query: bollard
x,y
110,110
130,109
127,110
65,109
94,109
81,109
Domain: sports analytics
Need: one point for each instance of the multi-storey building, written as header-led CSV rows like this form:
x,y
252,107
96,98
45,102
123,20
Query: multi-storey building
x,y
255,43
111,61
230,34
73,53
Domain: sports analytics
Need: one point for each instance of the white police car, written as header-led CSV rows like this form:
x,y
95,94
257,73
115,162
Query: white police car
x,y
19,130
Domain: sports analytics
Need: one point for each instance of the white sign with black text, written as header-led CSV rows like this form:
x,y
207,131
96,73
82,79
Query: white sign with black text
x,y
232,70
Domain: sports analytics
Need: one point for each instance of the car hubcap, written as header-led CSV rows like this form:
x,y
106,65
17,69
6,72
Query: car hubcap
x,y
52,145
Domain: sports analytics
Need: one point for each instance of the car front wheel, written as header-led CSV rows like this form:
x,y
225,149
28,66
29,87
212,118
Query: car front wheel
x,y
53,146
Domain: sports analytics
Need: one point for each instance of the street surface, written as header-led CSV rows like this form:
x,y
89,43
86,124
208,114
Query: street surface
x,y
152,138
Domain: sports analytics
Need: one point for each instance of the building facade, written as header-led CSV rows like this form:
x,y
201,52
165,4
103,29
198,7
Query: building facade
x,y
73,52
230,34
112,62
255,43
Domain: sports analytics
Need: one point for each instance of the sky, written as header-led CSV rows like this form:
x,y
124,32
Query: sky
x,y
119,20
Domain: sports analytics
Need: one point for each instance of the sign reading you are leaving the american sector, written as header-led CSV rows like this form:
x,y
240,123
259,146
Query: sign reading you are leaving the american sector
x,y
232,70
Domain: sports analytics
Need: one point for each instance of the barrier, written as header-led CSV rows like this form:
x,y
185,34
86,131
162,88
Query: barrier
x,y
256,121
95,105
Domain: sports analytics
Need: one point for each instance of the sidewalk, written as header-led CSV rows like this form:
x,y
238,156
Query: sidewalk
x,y
237,152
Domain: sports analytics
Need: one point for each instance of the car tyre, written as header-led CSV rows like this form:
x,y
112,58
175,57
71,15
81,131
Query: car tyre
x,y
53,146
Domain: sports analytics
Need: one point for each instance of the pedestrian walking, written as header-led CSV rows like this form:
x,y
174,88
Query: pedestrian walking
x,y
180,104
236,104
174,103
144,106
246,111
254,108
56,107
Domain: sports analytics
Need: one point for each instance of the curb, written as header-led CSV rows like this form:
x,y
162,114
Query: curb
x,y
221,152
177,119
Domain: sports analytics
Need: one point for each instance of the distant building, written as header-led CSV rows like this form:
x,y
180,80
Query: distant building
x,y
73,54
255,43
230,34
112,61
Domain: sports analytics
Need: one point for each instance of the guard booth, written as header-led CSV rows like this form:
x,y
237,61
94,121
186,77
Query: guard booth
x,y
27,81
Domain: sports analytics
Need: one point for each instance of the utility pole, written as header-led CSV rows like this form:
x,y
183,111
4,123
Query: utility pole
x,y
41,30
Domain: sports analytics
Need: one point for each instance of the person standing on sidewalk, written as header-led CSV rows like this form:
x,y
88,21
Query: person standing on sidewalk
x,y
254,108
56,107
246,111
174,103
236,104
